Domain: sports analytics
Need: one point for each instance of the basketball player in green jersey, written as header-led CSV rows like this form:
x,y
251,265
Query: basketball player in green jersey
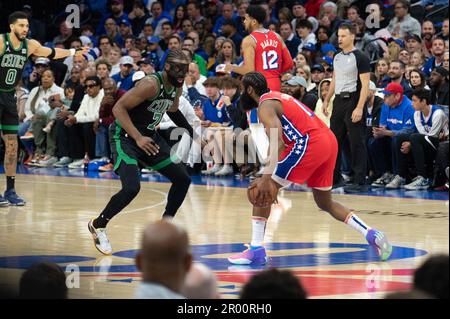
x,y
138,145
14,52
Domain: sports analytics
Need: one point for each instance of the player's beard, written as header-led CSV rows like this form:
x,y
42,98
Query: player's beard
x,y
18,36
247,102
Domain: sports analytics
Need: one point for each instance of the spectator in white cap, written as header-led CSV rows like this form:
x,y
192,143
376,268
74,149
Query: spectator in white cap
x,y
40,65
146,65
296,87
124,78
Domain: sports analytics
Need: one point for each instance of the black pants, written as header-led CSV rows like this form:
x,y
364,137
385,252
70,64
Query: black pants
x,y
423,150
341,124
82,134
68,141
441,164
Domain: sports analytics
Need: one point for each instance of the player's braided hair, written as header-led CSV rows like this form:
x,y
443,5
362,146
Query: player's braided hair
x,y
176,54
257,81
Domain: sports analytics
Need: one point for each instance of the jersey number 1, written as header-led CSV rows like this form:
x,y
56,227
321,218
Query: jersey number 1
x,y
270,60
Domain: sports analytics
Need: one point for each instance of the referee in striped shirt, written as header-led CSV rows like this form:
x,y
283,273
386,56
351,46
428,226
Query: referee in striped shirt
x,y
350,84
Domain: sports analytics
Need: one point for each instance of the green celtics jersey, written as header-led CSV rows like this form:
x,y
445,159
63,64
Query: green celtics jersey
x,y
12,62
147,115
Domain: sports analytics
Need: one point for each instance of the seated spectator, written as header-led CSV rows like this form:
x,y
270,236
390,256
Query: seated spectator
x,y
103,68
417,59
158,17
396,74
273,284
291,40
194,80
441,168
417,80
124,78
37,110
296,87
413,43
305,33
138,16
397,117
403,22
114,56
40,65
432,277
437,56
439,86
164,261
227,54
86,116
381,71
430,122
328,50
317,75
200,283
324,87
229,30
146,65
43,281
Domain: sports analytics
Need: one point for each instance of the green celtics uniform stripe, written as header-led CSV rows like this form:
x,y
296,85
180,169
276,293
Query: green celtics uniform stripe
x,y
121,155
9,127
164,163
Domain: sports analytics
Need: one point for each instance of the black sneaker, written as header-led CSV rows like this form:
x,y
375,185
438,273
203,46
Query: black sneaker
x,y
340,183
356,188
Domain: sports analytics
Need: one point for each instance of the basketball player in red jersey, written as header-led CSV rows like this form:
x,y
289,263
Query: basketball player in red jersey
x,y
306,152
263,50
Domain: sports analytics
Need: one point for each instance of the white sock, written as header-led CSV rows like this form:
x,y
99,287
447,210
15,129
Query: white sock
x,y
258,229
357,224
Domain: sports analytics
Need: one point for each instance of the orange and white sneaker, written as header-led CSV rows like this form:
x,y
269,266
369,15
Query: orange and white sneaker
x,y
106,168
27,136
100,238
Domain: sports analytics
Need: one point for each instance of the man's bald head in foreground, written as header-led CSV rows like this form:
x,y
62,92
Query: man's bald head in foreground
x,y
200,283
165,256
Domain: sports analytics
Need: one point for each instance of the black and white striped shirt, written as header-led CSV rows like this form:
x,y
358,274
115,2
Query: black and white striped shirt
x,y
348,67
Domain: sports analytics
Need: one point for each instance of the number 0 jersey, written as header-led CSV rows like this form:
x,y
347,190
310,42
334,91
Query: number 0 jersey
x,y
269,57
147,115
12,62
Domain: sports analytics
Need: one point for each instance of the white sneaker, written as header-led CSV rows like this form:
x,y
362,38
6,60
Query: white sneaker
x,y
397,182
47,161
63,162
418,183
77,164
213,170
383,180
101,241
224,171
147,171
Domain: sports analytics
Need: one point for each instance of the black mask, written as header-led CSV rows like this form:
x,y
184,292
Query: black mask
x,y
177,71
247,102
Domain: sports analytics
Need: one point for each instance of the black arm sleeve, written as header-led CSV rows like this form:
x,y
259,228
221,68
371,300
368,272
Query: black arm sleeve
x,y
180,121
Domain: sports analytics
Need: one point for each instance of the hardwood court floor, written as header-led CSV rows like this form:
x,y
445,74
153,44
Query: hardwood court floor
x,y
332,260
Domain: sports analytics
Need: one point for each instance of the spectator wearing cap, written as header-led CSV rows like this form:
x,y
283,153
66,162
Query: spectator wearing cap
x,y
309,50
327,63
304,31
227,14
413,43
116,13
154,52
138,15
125,30
430,122
40,65
328,50
135,53
396,74
290,39
439,86
317,75
296,87
397,117
403,22
146,65
87,114
124,78
437,56
229,30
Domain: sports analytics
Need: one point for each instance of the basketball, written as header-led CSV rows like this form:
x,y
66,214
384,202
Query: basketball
x,y
253,191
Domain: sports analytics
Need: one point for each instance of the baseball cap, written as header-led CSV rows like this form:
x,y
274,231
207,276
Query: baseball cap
x,y
126,22
41,60
153,39
220,69
327,48
145,61
297,80
318,67
85,40
310,47
138,75
410,36
126,60
328,60
400,42
393,88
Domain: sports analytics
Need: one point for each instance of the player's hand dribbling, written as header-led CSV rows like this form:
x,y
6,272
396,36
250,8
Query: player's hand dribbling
x,y
148,145
265,196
